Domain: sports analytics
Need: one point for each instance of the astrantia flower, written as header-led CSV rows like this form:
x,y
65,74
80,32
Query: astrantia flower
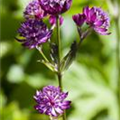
x,y
96,18
34,32
34,10
55,7
51,101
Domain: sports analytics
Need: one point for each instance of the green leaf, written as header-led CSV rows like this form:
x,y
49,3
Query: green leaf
x,y
54,52
68,59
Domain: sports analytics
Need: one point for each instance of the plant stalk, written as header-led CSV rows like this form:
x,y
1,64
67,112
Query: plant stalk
x,y
59,75
58,43
41,52
43,55
118,60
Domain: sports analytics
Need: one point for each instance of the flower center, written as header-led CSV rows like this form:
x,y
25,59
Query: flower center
x,y
52,102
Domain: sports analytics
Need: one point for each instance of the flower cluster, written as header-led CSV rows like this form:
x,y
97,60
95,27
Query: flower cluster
x,y
51,101
95,17
33,30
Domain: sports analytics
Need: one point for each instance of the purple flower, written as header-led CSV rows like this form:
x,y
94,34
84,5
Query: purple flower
x,y
96,18
34,33
79,19
34,10
55,7
51,101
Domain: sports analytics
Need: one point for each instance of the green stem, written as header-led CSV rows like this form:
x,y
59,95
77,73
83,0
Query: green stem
x,y
61,87
60,81
118,61
58,43
59,60
43,55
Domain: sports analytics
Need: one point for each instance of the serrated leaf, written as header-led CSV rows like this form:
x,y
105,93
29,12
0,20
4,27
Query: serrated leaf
x,y
54,52
68,59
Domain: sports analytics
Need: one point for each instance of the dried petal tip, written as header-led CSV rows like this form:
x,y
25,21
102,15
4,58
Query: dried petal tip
x,y
55,7
34,10
51,101
34,32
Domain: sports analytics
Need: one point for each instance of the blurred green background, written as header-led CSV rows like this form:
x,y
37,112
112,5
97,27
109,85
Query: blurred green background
x,y
91,79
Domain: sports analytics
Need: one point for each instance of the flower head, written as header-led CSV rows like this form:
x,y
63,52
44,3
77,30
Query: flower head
x,y
96,18
34,33
55,7
34,10
51,101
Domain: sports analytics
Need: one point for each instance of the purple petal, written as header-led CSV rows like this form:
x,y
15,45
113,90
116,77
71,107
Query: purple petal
x,y
99,23
93,17
102,31
58,110
79,19
53,112
86,10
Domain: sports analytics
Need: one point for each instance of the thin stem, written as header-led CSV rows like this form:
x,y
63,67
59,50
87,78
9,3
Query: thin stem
x,y
41,52
61,87
59,43
83,35
118,61
59,60
43,55
59,53
60,81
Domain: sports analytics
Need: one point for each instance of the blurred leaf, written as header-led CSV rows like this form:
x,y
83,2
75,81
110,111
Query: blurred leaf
x,y
21,94
9,22
81,83
38,117
15,74
12,112
3,101
37,80
102,115
5,48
